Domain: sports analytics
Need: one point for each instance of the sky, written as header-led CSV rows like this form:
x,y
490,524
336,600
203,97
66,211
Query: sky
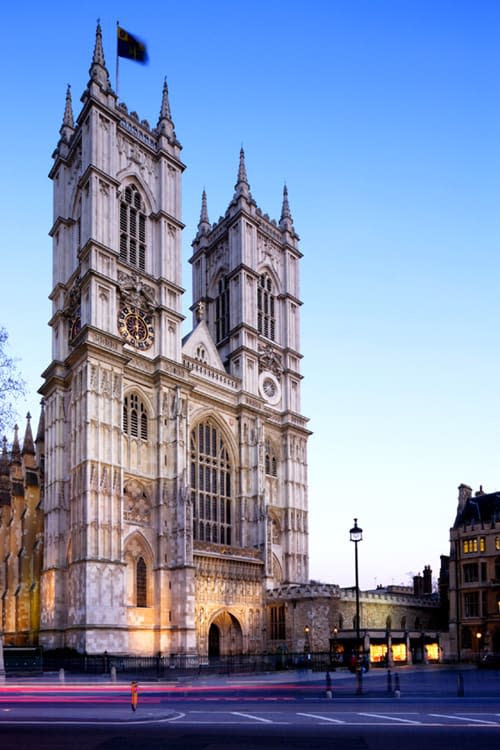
x,y
383,119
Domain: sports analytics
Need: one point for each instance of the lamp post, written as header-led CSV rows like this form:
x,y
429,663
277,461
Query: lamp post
x,y
356,535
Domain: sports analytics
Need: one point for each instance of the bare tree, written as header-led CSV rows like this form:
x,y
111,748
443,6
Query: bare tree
x,y
12,386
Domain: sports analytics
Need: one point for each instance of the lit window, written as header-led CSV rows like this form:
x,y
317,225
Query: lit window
x,y
482,544
210,485
132,229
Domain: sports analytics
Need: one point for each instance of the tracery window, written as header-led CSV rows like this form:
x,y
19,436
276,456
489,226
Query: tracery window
x,y
133,228
266,321
210,471
222,310
141,580
135,418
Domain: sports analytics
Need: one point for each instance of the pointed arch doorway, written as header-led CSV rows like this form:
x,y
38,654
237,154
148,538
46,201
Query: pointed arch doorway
x,y
225,637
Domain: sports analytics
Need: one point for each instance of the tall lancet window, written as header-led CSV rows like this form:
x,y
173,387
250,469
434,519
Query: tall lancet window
x,y
141,581
266,321
222,310
210,485
133,228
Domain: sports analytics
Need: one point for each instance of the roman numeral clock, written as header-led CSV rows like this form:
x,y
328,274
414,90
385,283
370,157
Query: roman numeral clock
x,y
136,327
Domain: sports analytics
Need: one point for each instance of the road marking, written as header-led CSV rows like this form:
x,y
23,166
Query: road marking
x,y
322,718
464,718
390,718
251,716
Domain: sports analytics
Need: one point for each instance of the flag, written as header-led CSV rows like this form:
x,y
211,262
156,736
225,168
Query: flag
x,y
130,47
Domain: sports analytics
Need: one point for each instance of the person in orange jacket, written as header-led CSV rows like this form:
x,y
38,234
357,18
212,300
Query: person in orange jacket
x,y
134,694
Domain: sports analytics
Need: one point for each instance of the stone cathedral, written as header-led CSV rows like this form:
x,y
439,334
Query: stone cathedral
x,y
175,468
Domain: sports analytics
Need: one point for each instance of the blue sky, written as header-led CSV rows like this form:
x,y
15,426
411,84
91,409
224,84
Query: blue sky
x,y
383,118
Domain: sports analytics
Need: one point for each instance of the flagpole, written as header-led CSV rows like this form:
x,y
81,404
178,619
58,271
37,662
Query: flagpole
x,y
117,58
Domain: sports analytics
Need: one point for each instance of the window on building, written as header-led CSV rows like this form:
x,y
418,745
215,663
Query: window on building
x,y
271,464
133,228
135,418
497,568
471,604
141,580
266,321
222,310
278,629
482,544
471,545
210,471
470,572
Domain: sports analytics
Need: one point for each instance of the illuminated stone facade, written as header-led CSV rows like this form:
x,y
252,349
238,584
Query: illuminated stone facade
x,y
176,470
474,576
21,537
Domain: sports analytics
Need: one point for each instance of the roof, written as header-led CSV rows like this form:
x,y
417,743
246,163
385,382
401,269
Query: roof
x,y
482,508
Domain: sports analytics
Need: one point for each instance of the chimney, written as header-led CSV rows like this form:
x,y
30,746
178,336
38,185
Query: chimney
x,y
464,493
418,585
427,579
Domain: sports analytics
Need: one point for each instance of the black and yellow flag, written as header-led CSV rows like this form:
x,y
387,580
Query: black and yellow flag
x,y
131,47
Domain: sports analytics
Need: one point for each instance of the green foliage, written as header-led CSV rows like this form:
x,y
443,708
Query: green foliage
x,y
12,386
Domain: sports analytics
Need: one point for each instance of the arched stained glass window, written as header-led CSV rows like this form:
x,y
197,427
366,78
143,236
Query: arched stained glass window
x,y
210,470
141,583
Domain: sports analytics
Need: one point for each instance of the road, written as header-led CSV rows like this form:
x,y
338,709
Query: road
x,y
246,715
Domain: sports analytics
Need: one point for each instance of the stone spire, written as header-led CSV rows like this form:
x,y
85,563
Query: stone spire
x,y
4,459
16,451
68,123
28,444
286,221
242,187
98,71
165,122
203,224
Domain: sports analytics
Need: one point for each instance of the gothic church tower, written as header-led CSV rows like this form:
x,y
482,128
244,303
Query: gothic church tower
x,y
176,487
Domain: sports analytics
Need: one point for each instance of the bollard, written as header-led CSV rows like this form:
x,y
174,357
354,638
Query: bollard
x,y
460,685
61,675
389,682
397,689
113,674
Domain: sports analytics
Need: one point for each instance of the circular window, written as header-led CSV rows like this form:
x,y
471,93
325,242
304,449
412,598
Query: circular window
x,y
269,388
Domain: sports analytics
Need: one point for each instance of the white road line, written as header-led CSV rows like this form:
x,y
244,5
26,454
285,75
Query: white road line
x,y
390,718
322,718
464,718
251,716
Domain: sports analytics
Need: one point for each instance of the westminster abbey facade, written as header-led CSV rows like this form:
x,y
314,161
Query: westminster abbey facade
x,y
175,469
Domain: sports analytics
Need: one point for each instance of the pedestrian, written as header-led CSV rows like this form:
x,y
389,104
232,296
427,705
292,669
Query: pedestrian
x,y
134,695
328,685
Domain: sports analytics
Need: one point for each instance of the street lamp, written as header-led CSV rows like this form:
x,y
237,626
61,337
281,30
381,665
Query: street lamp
x,y
356,535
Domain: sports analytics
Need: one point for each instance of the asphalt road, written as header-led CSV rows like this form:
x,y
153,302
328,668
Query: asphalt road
x,y
246,714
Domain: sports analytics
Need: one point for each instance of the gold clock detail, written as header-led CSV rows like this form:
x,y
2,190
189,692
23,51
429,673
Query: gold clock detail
x,y
136,327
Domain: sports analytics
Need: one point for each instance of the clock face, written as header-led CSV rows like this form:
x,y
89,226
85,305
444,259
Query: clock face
x,y
136,327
